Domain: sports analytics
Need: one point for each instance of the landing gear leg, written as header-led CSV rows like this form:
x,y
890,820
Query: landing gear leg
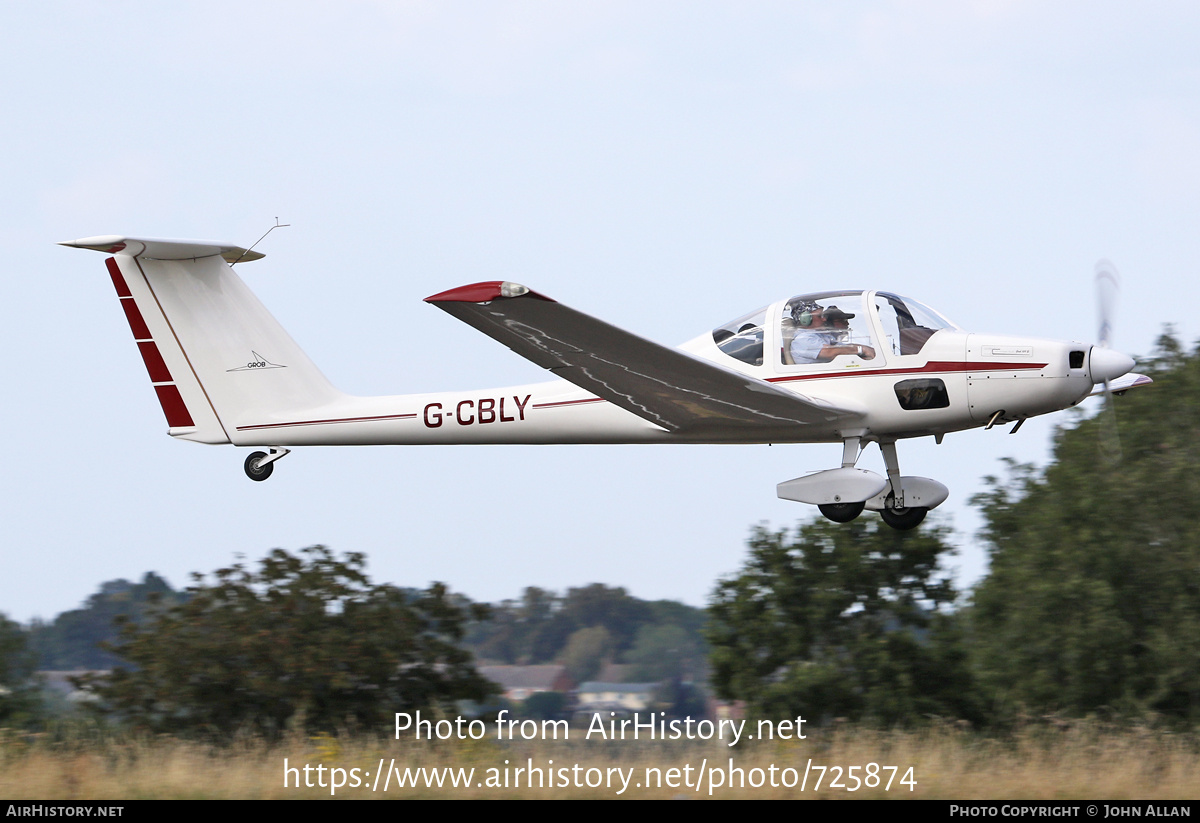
x,y
850,451
893,471
896,514
259,465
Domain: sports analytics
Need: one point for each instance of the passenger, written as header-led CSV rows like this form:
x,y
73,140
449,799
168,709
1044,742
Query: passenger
x,y
821,335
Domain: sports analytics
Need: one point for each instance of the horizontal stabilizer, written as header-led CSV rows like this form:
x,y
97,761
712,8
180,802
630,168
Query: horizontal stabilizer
x,y
151,248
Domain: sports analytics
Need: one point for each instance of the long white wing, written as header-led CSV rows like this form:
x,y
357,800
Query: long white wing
x,y
666,386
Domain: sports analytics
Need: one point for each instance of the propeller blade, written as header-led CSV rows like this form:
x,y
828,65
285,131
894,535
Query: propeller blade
x,y
1108,286
1110,433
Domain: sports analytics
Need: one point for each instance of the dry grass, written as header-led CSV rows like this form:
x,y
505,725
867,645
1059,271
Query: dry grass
x,y
1079,763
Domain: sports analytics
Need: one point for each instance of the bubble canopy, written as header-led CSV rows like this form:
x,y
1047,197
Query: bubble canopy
x,y
821,327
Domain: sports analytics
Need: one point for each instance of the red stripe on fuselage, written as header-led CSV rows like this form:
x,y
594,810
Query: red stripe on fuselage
x,y
331,420
569,403
932,367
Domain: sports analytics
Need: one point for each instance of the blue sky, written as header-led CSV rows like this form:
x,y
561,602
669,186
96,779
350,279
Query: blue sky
x,y
664,166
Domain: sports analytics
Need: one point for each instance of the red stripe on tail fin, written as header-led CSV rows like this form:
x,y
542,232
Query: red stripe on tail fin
x,y
173,406
118,279
156,367
136,324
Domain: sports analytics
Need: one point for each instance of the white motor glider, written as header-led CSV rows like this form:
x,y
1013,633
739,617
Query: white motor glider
x,y
840,366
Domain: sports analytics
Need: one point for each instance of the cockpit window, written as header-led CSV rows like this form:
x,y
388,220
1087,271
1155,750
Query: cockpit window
x,y
819,328
907,324
742,339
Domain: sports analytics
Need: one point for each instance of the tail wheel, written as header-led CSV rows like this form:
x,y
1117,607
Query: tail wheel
x,y
904,519
842,512
255,470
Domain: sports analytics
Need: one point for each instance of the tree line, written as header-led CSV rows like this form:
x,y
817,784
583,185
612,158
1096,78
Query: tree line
x,y
307,639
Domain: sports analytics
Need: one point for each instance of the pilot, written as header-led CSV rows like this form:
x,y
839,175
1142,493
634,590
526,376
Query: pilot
x,y
822,334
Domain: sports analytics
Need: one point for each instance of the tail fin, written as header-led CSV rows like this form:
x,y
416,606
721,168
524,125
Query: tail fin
x,y
215,355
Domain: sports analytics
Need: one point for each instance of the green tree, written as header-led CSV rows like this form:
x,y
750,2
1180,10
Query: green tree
x,y
666,652
19,701
607,606
73,640
305,640
514,627
586,652
840,620
589,607
546,706
538,628
1092,601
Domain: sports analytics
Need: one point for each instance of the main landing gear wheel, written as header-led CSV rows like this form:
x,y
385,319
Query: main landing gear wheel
x,y
843,512
904,519
255,471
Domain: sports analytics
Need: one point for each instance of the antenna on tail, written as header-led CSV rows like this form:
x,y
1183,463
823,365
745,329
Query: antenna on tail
x,y
277,225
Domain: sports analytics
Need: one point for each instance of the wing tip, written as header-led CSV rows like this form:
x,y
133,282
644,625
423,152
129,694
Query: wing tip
x,y
484,292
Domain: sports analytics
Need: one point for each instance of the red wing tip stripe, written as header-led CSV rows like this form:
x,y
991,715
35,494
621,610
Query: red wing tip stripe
x,y
568,403
474,293
478,293
322,422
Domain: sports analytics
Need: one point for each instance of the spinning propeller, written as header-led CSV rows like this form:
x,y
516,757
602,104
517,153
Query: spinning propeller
x,y
1107,364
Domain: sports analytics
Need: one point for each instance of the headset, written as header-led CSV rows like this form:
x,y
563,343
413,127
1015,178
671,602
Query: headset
x,y
803,313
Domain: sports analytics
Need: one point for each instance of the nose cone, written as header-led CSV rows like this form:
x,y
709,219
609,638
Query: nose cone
x,y
1108,365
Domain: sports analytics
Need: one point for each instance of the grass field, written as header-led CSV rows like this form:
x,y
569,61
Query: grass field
x,y
1083,762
